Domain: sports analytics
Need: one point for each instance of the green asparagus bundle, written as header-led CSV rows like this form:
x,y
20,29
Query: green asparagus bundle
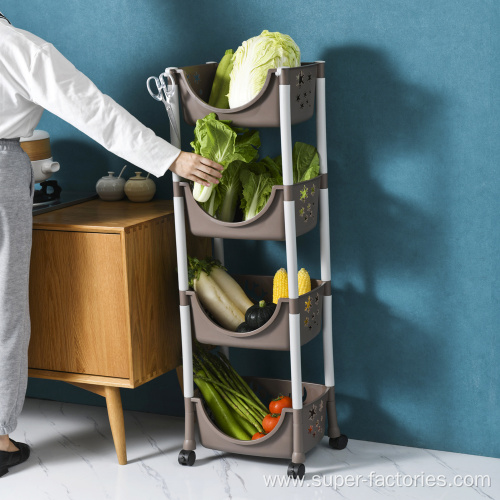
x,y
237,410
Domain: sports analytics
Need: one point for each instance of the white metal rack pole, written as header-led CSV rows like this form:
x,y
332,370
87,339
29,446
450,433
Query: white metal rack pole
x,y
291,261
324,226
182,271
333,428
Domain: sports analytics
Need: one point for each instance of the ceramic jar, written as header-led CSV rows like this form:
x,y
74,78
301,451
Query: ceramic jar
x,y
111,188
140,188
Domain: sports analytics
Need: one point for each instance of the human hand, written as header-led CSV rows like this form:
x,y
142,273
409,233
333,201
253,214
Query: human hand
x,y
197,168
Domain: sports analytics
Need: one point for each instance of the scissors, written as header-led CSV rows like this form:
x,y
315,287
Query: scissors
x,y
164,95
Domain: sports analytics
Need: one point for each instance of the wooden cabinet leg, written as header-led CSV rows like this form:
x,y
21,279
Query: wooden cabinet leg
x,y
115,414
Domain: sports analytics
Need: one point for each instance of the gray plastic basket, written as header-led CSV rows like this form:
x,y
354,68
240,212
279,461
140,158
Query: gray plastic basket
x,y
279,442
275,334
268,224
195,84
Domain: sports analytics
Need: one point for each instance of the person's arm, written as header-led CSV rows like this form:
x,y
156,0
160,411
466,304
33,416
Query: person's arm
x,y
59,87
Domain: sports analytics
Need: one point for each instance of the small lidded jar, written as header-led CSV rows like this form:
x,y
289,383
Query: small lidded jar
x,y
140,189
111,188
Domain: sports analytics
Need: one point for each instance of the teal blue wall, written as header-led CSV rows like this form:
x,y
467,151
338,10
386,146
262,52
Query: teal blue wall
x,y
413,157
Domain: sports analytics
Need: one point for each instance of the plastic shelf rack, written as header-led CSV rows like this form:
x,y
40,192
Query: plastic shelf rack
x,y
289,96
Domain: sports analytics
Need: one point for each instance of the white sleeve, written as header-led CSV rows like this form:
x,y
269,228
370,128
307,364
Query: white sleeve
x,y
59,87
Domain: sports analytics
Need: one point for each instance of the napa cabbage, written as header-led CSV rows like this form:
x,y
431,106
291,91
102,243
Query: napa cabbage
x,y
305,162
258,180
229,190
254,58
218,141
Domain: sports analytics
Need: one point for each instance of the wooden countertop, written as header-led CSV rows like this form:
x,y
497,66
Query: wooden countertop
x,y
103,216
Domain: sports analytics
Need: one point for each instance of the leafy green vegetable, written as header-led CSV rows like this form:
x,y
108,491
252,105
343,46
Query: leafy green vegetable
x,y
218,141
247,143
212,204
253,59
305,161
220,86
196,266
274,169
257,186
236,149
230,190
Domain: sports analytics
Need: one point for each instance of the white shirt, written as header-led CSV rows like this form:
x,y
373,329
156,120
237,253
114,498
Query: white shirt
x,y
34,76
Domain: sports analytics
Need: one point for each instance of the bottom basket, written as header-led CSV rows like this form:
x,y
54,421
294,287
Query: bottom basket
x,y
279,442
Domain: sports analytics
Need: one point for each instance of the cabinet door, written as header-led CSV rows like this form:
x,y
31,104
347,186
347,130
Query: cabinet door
x,y
79,320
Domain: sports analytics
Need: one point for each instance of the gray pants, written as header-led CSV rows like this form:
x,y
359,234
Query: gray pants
x,y
16,202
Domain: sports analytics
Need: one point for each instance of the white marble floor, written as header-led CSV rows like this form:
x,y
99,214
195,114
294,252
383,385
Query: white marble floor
x,y
73,458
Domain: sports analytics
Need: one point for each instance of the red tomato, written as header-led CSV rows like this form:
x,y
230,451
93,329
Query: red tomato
x,y
277,405
270,421
258,435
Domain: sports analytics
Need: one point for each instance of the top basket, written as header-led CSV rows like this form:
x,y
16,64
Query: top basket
x,y
195,84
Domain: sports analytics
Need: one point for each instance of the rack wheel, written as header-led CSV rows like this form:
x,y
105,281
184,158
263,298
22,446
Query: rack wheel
x,y
296,470
338,443
187,457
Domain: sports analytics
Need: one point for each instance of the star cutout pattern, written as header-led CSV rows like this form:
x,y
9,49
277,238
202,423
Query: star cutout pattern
x,y
315,425
308,304
312,412
304,83
307,208
300,78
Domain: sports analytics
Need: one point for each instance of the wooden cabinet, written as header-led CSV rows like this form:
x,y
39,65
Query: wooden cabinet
x,y
104,298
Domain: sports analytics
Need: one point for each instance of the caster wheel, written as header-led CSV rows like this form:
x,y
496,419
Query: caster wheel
x,y
338,443
187,457
296,470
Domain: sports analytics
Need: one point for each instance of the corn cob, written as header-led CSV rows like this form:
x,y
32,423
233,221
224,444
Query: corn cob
x,y
220,87
304,281
280,285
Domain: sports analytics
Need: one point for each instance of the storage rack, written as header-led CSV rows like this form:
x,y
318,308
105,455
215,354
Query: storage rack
x,y
287,98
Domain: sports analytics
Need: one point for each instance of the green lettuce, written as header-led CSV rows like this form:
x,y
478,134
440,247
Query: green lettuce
x,y
274,169
247,144
218,141
258,180
305,162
